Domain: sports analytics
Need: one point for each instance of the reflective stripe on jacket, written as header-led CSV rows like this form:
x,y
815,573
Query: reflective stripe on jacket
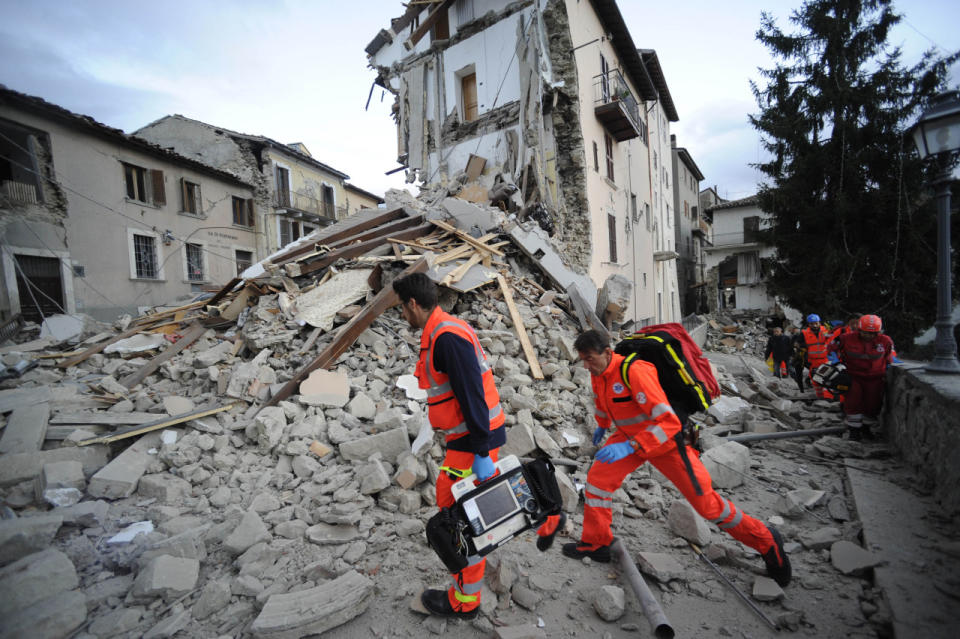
x,y
864,358
643,413
816,346
443,409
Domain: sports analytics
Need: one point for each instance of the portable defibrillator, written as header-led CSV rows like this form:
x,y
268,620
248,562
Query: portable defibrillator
x,y
489,514
833,377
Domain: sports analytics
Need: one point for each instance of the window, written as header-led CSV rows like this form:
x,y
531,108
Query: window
x,y
596,158
686,209
282,184
243,212
145,257
289,231
612,233
468,97
441,27
329,204
191,197
751,229
656,166
646,213
633,207
244,260
19,172
604,78
194,254
144,185
608,143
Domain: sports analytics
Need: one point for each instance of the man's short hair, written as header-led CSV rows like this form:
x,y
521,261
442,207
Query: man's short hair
x,y
416,286
592,341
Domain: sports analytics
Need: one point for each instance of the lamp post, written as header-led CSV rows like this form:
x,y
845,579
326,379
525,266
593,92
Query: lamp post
x,y
937,133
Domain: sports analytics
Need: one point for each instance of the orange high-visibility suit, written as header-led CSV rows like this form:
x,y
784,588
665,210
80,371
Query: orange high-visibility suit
x,y
642,413
816,343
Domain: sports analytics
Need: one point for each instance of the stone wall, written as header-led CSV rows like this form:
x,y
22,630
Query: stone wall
x,y
922,417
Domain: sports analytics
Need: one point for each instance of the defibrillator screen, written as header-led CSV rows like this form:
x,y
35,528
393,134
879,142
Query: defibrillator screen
x,y
496,503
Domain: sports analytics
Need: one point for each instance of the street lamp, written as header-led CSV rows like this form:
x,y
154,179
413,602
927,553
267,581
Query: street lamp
x,y
937,133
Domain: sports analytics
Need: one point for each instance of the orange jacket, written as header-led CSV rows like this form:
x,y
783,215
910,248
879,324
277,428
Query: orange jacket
x,y
443,409
643,413
816,345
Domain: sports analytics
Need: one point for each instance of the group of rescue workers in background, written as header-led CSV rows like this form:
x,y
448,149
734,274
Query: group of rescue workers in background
x,y
463,402
859,344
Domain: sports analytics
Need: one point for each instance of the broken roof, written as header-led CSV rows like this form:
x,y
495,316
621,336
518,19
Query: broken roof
x,y
261,139
15,99
752,200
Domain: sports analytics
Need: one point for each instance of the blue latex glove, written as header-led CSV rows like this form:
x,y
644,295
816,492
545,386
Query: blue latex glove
x,y
598,435
483,467
614,452
832,357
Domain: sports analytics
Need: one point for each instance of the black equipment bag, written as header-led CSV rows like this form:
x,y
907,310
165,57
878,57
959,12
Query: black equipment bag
x,y
685,391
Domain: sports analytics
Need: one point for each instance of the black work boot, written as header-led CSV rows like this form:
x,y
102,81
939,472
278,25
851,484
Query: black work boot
x,y
579,551
437,602
856,432
545,540
778,564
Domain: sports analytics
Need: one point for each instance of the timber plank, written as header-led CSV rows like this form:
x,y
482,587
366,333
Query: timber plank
x,y
96,348
354,250
521,329
188,338
157,425
466,237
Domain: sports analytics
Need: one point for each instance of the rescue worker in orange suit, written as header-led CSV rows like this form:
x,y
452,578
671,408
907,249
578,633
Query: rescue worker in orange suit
x,y
815,338
463,403
866,354
646,429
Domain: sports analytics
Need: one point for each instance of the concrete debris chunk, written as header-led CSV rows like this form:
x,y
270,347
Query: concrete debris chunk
x,y
26,429
61,483
26,535
820,538
166,488
120,477
214,597
685,522
727,464
251,530
332,534
661,566
325,388
315,610
167,577
389,444
520,440
55,616
33,578
766,589
362,407
851,559
609,602
729,410
177,405
526,631
117,622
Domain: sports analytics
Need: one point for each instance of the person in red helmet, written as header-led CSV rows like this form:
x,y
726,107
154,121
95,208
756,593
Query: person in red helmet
x,y
866,354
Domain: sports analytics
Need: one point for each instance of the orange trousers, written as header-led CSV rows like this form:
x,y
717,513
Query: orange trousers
x,y
464,595
604,479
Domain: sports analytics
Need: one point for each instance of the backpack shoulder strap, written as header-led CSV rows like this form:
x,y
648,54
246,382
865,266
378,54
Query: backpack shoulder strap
x,y
625,369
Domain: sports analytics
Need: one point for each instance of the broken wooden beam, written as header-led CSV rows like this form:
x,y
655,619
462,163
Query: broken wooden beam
x,y
386,229
196,330
466,237
528,349
157,425
354,250
347,334
96,348
588,319
103,418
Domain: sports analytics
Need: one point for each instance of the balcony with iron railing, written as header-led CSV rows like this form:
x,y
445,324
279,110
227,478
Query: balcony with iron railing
x,y
616,107
309,206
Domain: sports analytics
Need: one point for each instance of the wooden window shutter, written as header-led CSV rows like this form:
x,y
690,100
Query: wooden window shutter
x,y
197,200
249,208
612,232
468,90
159,194
185,195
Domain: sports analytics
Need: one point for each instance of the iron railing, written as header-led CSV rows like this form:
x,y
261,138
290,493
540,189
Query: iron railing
x,y
611,87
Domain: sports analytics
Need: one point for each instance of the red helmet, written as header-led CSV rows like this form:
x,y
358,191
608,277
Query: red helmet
x,y
870,324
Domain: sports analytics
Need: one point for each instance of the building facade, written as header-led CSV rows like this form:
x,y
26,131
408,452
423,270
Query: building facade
x,y
96,221
735,263
690,232
296,192
583,136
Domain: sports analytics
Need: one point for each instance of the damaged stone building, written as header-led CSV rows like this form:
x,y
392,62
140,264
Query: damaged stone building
x,y
99,222
297,192
568,116
692,230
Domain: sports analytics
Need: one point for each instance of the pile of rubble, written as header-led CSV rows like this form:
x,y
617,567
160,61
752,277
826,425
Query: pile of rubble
x,y
260,463
745,332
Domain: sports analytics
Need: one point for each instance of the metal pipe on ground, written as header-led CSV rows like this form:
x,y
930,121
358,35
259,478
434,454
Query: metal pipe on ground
x,y
651,607
812,432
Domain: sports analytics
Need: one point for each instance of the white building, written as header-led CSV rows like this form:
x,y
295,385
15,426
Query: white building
x,y
556,96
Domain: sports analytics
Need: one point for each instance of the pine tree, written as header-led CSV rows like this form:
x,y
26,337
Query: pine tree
x,y
853,222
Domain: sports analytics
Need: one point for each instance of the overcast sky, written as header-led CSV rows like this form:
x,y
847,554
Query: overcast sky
x,y
297,71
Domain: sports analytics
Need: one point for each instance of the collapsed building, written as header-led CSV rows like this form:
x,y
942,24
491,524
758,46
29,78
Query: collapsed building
x,y
550,105
260,463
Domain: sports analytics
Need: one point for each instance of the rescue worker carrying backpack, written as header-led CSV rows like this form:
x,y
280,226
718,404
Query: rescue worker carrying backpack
x,y
647,428
866,354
